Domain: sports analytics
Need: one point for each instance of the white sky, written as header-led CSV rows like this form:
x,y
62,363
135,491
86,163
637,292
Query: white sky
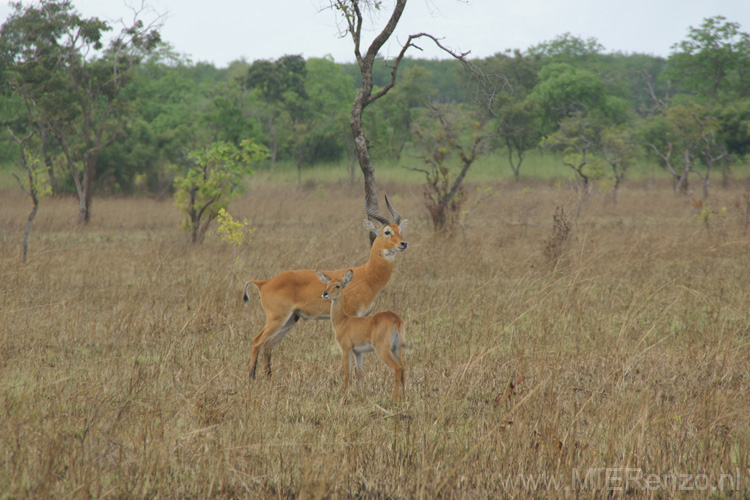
x,y
220,31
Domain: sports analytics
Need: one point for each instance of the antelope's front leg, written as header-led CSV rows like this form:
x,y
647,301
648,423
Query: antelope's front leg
x,y
403,370
358,367
345,354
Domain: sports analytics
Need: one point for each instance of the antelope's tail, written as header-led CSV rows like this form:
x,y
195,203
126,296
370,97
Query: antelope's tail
x,y
246,295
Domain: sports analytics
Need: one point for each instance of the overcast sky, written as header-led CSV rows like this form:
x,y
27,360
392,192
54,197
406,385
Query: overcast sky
x,y
221,31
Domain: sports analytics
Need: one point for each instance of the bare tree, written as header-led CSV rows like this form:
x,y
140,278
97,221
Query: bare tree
x,y
353,13
443,191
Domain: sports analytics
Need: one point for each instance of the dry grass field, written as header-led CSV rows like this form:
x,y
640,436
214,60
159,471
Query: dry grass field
x,y
619,369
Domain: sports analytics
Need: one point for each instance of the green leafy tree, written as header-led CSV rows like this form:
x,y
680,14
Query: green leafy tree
x,y
281,84
634,78
520,75
166,121
71,84
318,125
688,138
519,127
171,103
213,182
576,140
228,114
518,118
565,91
13,115
674,137
734,117
619,150
329,90
713,60
566,48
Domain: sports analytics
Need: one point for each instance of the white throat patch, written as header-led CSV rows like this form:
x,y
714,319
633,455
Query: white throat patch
x,y
390,254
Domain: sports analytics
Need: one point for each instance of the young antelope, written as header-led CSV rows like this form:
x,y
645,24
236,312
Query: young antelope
x,y
383,332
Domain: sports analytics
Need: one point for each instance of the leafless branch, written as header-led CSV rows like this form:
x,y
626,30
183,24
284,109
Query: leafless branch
x,y
665,157
661,105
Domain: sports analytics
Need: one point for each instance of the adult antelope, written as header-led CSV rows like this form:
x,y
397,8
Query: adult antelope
x,y
382,332
292,295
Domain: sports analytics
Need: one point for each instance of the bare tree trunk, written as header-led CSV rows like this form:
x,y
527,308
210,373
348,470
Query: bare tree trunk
x,y
363,155
50,169
81,186
29,221
76,180
84,213
682,185
705,184
516,167
352,163
725,177
300,155
685,184
32,191
364,95
274,141
711,148
362,147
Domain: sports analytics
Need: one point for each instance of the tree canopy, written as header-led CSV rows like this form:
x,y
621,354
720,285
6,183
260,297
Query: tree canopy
x,y
119,112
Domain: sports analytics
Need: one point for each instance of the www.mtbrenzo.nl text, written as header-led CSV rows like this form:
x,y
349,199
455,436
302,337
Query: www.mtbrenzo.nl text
x,y
624,479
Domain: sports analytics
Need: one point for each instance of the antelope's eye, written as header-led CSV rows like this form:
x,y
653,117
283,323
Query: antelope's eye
x,y
387,232
337,287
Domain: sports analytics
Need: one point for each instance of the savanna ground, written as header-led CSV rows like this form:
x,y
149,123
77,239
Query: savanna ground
x,y
620,369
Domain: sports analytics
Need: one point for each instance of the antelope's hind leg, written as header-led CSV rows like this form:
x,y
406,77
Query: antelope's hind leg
x,y
276,338
384,351
397,350
270,335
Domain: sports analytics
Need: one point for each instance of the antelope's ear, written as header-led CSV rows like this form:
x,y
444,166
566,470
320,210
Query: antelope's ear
x,y
402,225
372,228
322,277
347,277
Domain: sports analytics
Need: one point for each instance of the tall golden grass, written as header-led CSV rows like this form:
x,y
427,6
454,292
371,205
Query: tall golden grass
x,y
619,366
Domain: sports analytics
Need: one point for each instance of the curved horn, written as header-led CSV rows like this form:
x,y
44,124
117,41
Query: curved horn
x,y
396,216
373,215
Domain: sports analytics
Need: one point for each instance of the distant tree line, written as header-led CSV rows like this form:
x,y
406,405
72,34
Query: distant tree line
x,y
124,117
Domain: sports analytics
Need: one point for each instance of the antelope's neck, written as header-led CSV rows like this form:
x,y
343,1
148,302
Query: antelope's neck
x,y
337,312
378,268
